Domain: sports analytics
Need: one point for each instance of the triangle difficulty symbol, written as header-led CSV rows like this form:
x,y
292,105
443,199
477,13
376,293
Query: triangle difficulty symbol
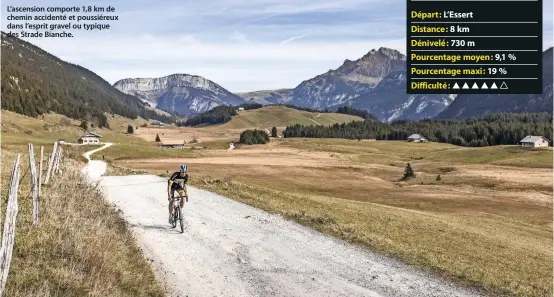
x,y
465,86
456,86
484,87
475,86
494,86
503,86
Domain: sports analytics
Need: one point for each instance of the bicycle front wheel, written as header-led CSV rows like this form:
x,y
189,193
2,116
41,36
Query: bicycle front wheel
x,y
179,215
174,221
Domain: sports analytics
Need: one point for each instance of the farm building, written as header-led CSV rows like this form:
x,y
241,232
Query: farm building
x,y
534,141
157,124
416,138
241,108
90,138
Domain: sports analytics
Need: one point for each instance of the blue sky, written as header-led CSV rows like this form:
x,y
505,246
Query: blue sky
x,y
239,44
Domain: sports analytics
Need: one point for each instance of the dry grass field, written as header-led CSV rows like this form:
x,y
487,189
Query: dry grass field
x,y
486,223
264,118
81,246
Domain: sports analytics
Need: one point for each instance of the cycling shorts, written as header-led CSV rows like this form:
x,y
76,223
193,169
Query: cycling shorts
x,y
179,188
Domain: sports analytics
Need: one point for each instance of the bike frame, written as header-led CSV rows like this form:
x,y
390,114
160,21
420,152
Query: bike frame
x,y
176,201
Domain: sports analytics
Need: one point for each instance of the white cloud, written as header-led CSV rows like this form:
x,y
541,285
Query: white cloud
x,y
293,38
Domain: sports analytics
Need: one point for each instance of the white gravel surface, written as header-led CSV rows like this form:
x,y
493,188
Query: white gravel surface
x,y
230,249
95,168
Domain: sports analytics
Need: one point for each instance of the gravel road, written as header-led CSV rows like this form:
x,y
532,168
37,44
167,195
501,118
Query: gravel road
x,y
95,168
231,249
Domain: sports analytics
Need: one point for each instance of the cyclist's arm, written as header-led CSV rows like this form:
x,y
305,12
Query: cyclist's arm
x,y
170,183
185,186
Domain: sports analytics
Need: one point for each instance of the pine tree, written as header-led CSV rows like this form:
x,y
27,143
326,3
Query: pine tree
x,y
130,129
409,172
274,132
84,125
439,177
158,138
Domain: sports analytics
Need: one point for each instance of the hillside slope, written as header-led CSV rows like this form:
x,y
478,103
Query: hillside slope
x,y
389,101
351,79
280,116
81,247
179,93
268,96
470,105
35,82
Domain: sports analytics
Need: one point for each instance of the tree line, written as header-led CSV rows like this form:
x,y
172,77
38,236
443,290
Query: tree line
x,y
364,114
300,108
494,129
217,115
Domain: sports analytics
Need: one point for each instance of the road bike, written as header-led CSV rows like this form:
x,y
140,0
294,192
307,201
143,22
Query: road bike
x,y
177,216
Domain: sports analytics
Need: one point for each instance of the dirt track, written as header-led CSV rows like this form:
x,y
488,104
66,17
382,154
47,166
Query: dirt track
x,y
231,249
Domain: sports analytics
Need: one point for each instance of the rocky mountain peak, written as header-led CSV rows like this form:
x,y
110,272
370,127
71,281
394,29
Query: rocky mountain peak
x,y
350,80
180,92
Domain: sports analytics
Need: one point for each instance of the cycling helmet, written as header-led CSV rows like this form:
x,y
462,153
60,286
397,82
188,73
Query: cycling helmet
x,y
183,168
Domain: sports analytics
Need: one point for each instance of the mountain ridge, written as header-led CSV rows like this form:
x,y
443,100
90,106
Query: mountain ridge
x,y
470,105
349,80
180,93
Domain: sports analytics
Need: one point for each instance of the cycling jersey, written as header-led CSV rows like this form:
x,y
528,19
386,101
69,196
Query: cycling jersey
x,y
176,181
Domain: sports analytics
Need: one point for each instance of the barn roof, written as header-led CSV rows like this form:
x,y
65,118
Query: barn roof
x,y
533,139
92,134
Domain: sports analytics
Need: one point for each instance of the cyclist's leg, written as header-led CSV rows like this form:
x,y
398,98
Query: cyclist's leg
x,y
186,193
170,207
182,193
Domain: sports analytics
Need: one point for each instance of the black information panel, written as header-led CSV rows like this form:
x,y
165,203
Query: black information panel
x,y
474,47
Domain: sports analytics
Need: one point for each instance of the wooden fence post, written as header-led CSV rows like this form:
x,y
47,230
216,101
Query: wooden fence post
x,y
8,237
34,183
61,158
55,162
51,163
58,160
40,171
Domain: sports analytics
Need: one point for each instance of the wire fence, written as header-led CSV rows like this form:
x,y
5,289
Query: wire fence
x,y
55,163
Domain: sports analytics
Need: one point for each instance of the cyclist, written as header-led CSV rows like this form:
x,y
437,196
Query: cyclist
x,y
177,182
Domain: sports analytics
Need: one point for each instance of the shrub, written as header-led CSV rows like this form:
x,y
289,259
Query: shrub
x,y
254,137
